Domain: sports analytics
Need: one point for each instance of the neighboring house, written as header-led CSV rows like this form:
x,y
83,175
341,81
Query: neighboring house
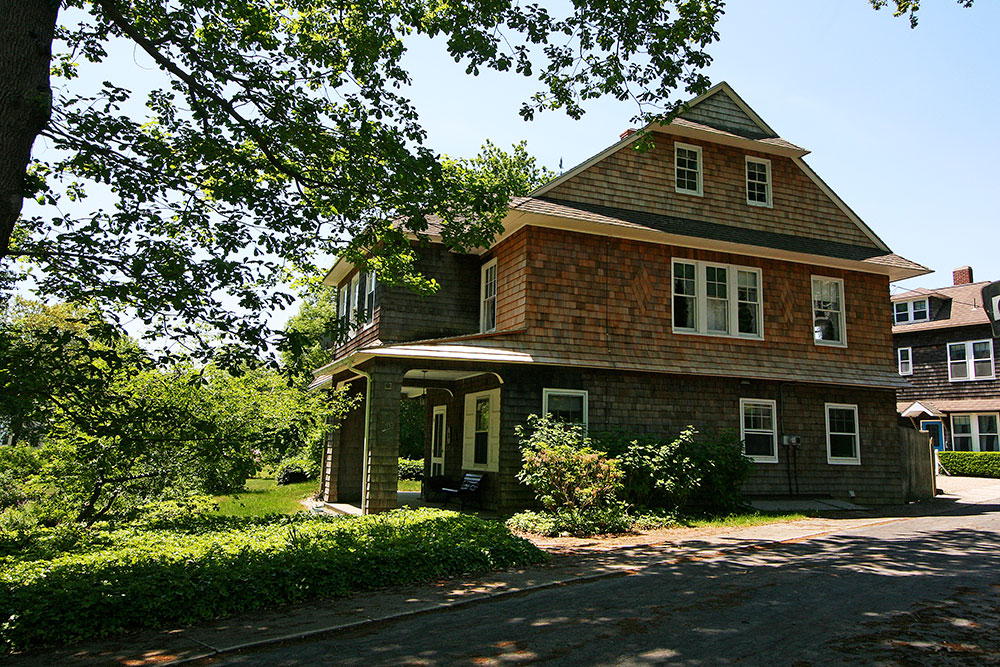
x,y
946,349
713,280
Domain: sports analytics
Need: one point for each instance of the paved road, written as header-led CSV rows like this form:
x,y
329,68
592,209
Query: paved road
x,y
918,591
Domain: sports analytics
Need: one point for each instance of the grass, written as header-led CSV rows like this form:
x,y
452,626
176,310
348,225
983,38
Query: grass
x,y
408,485
264,496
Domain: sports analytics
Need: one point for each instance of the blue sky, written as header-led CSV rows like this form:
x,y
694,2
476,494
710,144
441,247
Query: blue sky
x,y
900,122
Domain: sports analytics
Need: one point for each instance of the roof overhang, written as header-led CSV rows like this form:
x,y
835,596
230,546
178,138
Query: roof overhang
x,y
916,409
515,220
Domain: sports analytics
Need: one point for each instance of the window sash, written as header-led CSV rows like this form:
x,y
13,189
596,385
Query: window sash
x,y
971,360
905,358
842,435
758,430
488,297
568,405
910,311
758,172
370,282
975,432
687,169
716,299
828,311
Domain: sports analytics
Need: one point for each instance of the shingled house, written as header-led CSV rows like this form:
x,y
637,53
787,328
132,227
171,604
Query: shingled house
x,y
946,349
712,280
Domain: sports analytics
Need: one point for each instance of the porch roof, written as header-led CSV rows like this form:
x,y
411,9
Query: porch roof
x,y
524,349
942,407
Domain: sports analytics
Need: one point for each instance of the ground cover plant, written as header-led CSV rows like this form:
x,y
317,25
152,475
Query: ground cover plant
x,y
971,464
68,583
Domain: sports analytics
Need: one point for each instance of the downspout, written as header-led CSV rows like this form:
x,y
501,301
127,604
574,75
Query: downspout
x,y
364,451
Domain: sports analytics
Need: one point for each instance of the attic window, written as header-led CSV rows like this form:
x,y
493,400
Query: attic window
x,y
758,182
910,311
687,169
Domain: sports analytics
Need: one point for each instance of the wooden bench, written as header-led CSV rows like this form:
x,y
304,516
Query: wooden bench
x,y
471,487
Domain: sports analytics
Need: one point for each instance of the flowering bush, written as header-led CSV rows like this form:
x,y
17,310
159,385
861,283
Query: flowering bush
x,y
563,470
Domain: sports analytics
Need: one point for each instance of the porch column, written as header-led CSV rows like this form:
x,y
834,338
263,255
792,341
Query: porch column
x,y
382,463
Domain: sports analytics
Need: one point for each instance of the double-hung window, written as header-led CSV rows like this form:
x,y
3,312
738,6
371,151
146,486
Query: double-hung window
x,y
975,432
355,304
488,297
687,169
828,311
904,358
758,182
344,309
757,430
369,297
972,360
842,444
717,299
566,405
909,311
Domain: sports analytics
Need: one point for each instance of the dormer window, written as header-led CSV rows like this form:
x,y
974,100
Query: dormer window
x,y
687,169
758,182
488,297
910,311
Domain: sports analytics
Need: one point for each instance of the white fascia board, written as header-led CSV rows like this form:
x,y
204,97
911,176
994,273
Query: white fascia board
x,y
522,219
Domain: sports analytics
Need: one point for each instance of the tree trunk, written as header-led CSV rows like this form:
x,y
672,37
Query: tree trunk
x,y
26,31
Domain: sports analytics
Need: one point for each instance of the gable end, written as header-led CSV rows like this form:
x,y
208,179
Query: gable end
x,y
722,112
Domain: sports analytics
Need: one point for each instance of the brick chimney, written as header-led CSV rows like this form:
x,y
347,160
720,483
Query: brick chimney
x,y
962,275
628,133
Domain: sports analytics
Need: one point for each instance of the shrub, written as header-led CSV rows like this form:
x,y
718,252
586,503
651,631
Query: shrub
x,y
563,470
411,469
660,473
110,580
971,464
574,522
294,470
723,468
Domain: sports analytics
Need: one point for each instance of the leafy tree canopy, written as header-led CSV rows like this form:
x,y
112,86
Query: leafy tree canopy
x,y
116,430
281,135
909,7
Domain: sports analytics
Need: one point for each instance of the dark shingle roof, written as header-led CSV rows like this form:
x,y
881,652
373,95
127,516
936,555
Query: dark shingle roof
x,y
705,230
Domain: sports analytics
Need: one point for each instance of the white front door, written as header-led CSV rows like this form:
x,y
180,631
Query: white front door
x,y
439,426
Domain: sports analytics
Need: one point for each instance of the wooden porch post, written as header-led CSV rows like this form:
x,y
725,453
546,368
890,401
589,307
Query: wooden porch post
x,y
382,447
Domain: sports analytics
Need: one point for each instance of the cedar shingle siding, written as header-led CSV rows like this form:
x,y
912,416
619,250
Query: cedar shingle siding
x,y
589,309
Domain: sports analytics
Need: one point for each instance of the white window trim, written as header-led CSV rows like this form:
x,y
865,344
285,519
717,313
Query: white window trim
x,y
482,297
774,428
910,317
767,170
701,299
567,392
701,170
469,433
843,460
369,288
970,365
974,423
909,360
440,460
843,311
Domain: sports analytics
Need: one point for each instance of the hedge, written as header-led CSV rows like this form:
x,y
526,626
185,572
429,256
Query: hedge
x,y
66,584
411,469
971,464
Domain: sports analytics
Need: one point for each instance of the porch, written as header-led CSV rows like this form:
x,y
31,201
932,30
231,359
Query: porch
x,y
463,432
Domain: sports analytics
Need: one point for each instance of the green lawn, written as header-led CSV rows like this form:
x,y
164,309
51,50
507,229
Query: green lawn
x,y
408,485
264,496
747,519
